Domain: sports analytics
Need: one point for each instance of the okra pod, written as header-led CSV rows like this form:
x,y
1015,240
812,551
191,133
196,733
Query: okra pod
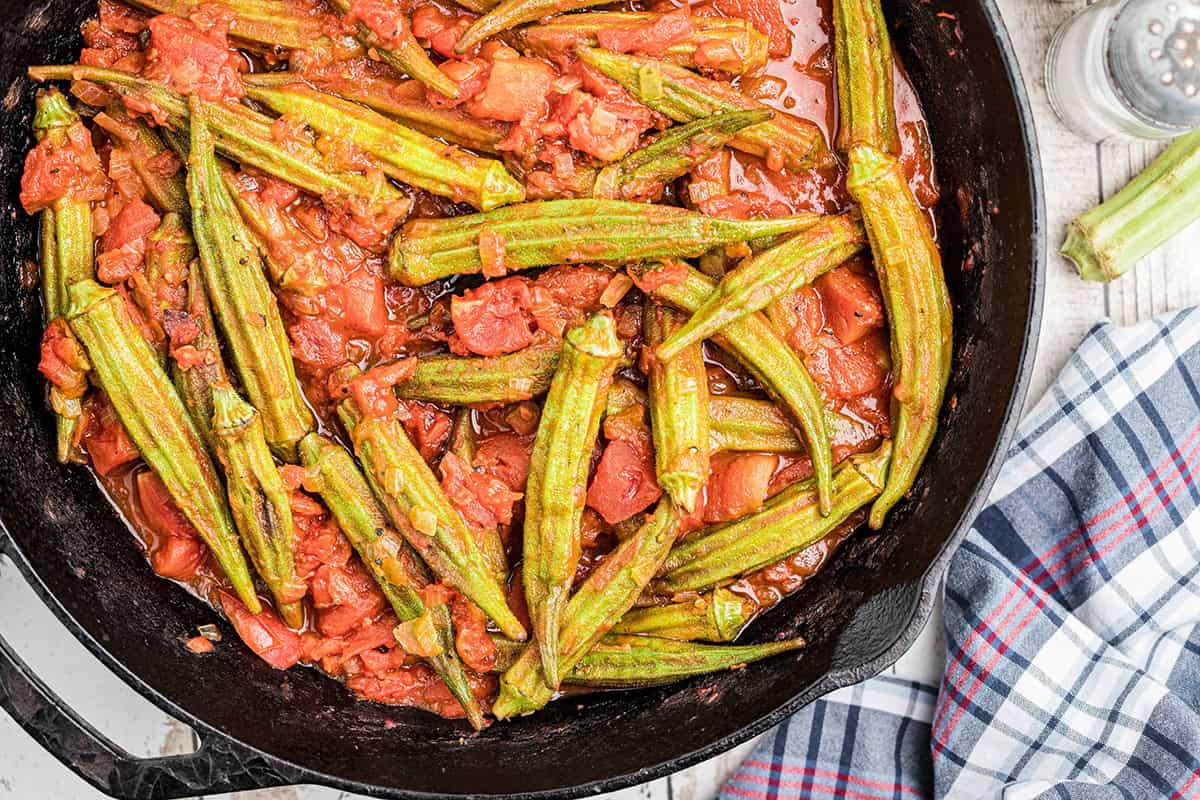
x,y
403,101
743,424
863,51
511,13
603,598
195,383
787,524
678,392
400,50
717,43
167,192
462,444
793,143
756,343
403,153
128,371
261,505
549,232
414,501
245,308
66,257
471,380
1105,242
558,471
643,174
716,616
631,662
758,281
244,135
391,562
276,24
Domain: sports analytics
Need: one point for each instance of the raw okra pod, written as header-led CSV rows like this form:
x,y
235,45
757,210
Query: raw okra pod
x,y
716,616
245,308
678,393
391,562
160,426
558,473
261,505
631,662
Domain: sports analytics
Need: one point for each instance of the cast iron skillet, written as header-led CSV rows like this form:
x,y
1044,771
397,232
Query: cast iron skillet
x,y
262,728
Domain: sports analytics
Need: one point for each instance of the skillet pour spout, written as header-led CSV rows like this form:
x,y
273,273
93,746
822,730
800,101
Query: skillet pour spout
x,y
859,613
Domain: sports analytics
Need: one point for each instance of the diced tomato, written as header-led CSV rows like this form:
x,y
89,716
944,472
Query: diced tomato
x,y
62,360
505,456
194,60
345,597
178,558
844,371
853,306
516,87
440,29
264,633
123,245
625,482
738,485
420,687
803,314
765,15
319,541
316,342
373,390
427,425
112,36
493,319
370,637
70,169
383,18
160,511
650,38
199,645
668,273
482,500
606,129
377,662
471,640
105,438
363,307
563,296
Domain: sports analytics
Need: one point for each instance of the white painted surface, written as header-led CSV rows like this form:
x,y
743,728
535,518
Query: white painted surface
x,y
1078,175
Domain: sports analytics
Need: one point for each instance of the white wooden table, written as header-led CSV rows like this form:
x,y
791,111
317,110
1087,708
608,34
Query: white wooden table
x,y
1077,176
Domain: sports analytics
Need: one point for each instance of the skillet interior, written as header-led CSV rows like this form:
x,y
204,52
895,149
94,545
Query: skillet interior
x,y
858,614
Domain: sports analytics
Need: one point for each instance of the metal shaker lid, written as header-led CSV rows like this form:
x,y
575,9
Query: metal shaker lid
x,y
1153,61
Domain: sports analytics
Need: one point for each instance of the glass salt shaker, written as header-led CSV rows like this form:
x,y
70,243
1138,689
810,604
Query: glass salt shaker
x,y
1128,69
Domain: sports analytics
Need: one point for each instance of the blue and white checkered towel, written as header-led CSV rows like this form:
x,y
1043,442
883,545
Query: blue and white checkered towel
x,y
1072,611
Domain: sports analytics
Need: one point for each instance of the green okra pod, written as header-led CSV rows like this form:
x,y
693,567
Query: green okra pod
x,y
277,24
195,383
756,343
643,174
403,101
160,426
758,281
716,616
1105,242
863,50
260,503
400,50
245,136
678,393
511,13
743,424
403,153
470,380
787,524
416,505
603,598
167,192
66,257
389,559
245,308
725,44
550,232
558,473
631,662
791,142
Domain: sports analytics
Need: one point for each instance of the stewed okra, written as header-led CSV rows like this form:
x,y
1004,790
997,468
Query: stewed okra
x,y
470,353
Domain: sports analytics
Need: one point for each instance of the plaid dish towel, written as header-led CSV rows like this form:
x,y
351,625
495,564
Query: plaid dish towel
x,y
1071,609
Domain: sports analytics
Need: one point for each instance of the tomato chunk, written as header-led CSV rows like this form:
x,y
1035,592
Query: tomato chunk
x,y
845,371
649,38
62,361
505,456
738,485
625,483
70,169
123,245
160,511
764,15
493,319
264,633
516,87
105,438
194,59
853,305
482,500
346,597
474,646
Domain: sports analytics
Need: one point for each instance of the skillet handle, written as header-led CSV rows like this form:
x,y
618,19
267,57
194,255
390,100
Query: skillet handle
x,y
219,765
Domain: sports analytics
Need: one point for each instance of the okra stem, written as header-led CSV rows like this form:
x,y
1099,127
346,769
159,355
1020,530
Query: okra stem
x,y
403,52
470,380
678,392
758,281
389,559
643,174
787,524
728,45
755,342
549,232
716,616
743,424
631,662
413,499
558,471
607,593
794,143
863,51
261,505
167,192
160,426
1105,242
